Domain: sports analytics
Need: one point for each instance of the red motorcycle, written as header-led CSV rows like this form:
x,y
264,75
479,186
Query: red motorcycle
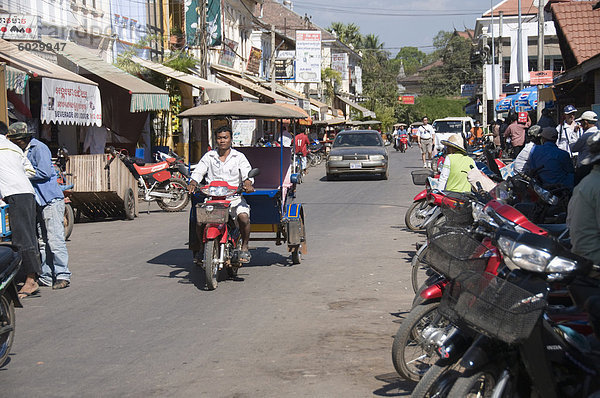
x,y
221,237
403,138
157,181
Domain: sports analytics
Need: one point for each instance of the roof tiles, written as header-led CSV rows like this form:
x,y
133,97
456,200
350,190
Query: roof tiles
x,y
580,25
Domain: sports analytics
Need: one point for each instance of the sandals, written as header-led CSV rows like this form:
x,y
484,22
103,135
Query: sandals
x,y
244,256
23,295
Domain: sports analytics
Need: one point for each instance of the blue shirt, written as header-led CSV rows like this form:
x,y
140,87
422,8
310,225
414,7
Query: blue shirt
x,y
45,180
557,166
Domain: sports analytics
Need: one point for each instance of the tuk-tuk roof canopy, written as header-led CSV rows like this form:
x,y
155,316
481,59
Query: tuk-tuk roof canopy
x,y
242,110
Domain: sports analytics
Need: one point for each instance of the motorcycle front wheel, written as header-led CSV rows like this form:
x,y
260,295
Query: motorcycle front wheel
x,y
211,263
178,188
413,221
437,382
7,326
479,384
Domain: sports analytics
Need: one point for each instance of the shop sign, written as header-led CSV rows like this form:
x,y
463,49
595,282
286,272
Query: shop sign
x,y
284,65
19,27
541,77
339,62
227,57
243,132
254,60
468,90
407,99
522,117
308,56
70,103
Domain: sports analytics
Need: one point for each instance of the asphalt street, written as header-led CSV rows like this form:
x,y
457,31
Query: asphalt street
x,y
137,320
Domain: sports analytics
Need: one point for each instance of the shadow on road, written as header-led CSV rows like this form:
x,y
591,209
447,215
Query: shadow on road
x,y
183,268
358,177
395,386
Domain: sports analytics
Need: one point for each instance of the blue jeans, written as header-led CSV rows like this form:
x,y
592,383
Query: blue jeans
x,y
51,238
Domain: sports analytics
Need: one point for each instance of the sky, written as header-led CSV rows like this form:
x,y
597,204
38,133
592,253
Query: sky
x,y
398,23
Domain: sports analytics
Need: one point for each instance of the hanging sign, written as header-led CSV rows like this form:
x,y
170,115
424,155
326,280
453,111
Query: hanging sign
x,y
541,77
19,27
243,132
339,62
227,57
70,103
522,117
254,60
406,99
308,56
284,65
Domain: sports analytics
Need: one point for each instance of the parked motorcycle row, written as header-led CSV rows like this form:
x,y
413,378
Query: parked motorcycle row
x,y
502,308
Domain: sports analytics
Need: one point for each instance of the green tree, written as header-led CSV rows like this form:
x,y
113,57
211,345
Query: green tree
x,y
412,58
349,34
331,79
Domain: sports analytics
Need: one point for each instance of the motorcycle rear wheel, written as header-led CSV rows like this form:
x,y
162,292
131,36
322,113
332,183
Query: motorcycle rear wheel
x,y
411,218
69,220
211,263
7,322
177,187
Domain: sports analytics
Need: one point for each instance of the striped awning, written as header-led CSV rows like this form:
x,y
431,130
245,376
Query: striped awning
x,y
16,80
142,102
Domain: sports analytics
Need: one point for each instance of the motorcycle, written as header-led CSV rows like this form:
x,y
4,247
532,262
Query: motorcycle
x,y
60,164
10,262
316,153
157,181
221,237
403,142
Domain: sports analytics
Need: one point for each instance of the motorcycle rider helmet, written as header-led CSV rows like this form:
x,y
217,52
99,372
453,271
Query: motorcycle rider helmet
x,y
534,131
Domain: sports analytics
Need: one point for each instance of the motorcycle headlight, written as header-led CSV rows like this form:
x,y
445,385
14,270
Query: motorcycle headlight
x,y
545,195
335,158
523,256
561,265
477,211
376,157
218,191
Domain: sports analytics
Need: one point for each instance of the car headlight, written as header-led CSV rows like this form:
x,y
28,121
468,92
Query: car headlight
x,y
376,157
523,256
334,158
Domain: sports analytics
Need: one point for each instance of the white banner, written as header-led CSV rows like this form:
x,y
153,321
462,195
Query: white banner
x,y
308,56
497,81
19,27
358,83
70,103
243,132
339,62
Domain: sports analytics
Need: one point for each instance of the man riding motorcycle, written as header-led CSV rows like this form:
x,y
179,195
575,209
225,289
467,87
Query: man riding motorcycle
x,y
225,164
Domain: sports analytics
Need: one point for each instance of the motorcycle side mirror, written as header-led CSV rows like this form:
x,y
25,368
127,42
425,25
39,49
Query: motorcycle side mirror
x,y
253,173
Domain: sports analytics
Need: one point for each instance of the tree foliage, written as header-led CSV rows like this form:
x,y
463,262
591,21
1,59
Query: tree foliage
x,y
331,79
349,34
412,59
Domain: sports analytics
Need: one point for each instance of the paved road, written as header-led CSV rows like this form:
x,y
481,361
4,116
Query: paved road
x,y
137,320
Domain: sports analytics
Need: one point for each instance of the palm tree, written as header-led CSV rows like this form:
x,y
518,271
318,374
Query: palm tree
x,y
348,34
330,79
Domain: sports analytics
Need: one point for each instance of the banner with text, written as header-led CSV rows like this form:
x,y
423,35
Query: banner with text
x,y
254,60
308,56
70,103
339,62
243,132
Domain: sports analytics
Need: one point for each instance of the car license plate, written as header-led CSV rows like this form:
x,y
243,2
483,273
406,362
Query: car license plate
x,y
355,166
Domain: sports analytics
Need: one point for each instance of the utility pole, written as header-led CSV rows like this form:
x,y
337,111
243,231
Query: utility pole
x,y
484,99
493,64
501,48
520,50
540,52
272,72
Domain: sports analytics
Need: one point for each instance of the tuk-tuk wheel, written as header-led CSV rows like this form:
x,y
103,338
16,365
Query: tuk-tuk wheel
x,y
296,256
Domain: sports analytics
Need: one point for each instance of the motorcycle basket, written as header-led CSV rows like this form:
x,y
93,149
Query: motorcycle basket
x,y
493,306
452,251
457,209
419,177
212,213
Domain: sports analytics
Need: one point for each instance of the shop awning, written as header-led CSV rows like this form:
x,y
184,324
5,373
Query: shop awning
x,y
365,111
254,88
241,93
144,96
215,91
16,80
36,66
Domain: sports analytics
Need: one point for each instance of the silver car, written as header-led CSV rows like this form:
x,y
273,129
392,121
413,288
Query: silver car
x,y
357,152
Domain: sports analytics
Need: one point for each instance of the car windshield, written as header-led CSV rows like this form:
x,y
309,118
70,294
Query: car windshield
x,y
447,126
357,139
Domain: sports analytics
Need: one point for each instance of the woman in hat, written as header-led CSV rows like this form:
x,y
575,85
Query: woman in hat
x,y
456,166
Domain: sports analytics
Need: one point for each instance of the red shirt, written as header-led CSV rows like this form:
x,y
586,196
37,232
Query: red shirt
x,y
301,144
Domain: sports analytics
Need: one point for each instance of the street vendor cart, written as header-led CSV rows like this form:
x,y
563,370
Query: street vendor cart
x,y
102,187
275,215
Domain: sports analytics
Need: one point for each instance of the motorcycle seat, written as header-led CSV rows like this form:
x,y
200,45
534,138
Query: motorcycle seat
x,y
554,229
7,256
151,168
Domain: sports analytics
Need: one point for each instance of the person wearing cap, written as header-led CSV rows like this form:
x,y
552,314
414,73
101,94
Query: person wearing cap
x,y
588,120
546,119
583,214
456,166
50,208
18,193
569,130
552,166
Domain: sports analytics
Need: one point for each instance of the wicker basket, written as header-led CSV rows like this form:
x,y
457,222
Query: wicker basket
x,y
493,306
212,213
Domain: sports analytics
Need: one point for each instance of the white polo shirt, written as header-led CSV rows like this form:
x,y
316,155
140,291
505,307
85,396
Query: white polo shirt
x,y
14,169
216,170
426,132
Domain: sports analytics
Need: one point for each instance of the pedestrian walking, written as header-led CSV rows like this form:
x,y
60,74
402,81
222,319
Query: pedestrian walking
x,y
301,146
18,193
516,132
425,138
50,208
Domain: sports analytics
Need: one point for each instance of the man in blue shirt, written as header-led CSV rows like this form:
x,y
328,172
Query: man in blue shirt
x,y
50,208
552,166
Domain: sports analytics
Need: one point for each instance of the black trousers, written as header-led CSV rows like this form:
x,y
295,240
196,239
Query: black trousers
x,y
22,218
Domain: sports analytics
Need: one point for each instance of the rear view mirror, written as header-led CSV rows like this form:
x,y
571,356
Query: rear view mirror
x,y
253,173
